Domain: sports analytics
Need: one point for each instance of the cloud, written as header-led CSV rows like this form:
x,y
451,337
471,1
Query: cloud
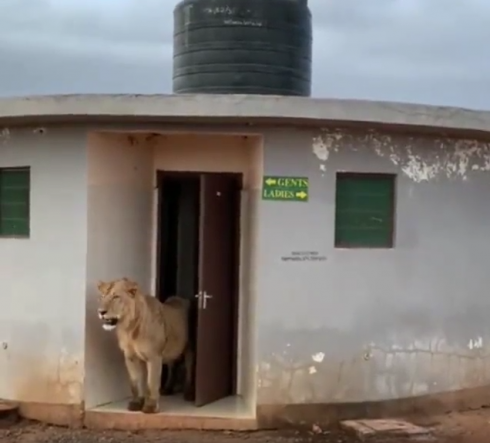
x,y
123,30
84,47
403,50
35,72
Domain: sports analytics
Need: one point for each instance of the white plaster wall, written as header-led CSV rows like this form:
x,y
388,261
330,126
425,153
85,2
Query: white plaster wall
x,y
247,345
370,324
43,277
119,244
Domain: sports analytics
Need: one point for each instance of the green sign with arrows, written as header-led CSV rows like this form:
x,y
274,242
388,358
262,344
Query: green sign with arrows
x,y
285,188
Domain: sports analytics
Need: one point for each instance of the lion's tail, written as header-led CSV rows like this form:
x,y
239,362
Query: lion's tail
x,y
178,302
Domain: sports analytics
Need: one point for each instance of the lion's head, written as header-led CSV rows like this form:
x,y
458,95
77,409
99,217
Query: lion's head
x,y
116,301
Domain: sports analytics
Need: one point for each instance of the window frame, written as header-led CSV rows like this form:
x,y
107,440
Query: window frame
x,y
26,169
392,218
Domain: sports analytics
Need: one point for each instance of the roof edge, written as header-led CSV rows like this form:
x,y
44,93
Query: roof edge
x,y
243,106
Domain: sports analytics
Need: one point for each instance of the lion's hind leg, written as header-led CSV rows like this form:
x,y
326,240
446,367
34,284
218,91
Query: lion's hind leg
x,y
135,368
189,387
169,387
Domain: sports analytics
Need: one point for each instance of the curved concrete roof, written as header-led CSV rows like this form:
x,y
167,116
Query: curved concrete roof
x,y
249,107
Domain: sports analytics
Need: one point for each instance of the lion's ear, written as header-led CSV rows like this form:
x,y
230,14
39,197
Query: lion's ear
x,y
131,286
104,287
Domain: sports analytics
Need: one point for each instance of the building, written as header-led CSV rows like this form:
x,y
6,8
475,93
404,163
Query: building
x,y
361,262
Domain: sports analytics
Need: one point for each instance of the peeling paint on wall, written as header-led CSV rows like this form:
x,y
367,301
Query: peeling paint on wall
x,y
476,343
418,158
448,157
398,370
4,135
324,144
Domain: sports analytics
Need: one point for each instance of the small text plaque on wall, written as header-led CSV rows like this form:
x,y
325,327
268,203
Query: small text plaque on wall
x,y
282,188
310,256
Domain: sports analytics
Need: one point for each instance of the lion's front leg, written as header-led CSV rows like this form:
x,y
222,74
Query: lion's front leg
x,y
154,375
137,381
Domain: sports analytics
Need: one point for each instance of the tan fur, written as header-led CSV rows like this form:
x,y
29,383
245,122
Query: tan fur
x,y
149,333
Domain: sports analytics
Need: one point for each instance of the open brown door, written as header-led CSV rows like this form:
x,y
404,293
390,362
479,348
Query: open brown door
x,y
214,350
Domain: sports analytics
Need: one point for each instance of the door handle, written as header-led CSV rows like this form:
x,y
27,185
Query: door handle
x,y
199,299
205,298
202,299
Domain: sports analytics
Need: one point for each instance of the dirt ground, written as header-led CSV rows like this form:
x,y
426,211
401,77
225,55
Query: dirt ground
x,y
465,427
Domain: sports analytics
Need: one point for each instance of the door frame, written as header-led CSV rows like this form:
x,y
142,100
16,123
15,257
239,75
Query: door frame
x,y
236,293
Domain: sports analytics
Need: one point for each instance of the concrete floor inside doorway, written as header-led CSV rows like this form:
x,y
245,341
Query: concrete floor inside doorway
x,y
233,407
232,413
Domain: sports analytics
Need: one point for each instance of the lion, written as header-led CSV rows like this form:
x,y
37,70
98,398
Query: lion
x,y
150,334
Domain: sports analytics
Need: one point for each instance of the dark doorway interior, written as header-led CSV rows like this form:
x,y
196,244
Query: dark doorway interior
x,y
178,235
198,254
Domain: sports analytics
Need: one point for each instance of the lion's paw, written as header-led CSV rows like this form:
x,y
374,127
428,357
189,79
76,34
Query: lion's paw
x,y
135,404
150,407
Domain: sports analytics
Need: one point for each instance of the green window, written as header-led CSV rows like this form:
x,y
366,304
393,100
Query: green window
x,y
14,202
364,210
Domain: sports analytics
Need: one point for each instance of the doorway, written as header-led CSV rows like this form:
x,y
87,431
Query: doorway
x,y
198,247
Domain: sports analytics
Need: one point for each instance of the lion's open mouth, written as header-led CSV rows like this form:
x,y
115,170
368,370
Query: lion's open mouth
x,y
109,323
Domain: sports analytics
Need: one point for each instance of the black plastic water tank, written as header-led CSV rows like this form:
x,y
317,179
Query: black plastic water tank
x,y
242,47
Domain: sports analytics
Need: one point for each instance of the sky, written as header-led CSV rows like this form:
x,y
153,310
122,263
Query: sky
x,y
422,51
